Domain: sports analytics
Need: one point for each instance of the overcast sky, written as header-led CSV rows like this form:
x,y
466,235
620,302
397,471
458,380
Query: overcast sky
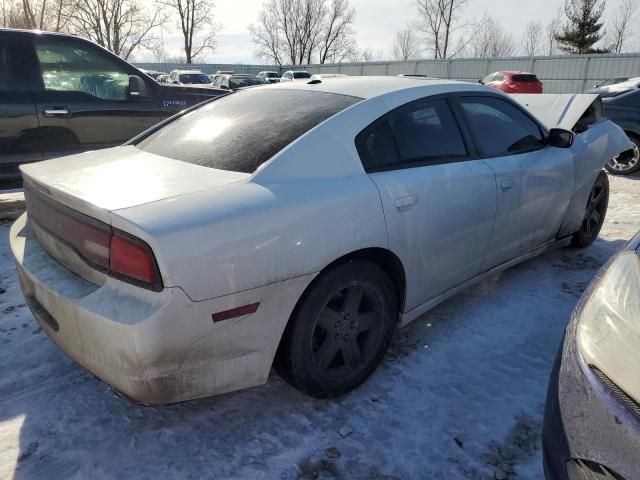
x,y
375,25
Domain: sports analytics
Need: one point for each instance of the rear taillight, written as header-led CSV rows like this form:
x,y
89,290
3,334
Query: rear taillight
x,y
107,249
132,259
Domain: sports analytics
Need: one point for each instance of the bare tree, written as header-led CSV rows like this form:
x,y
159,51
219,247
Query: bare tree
x,y
35,14
406,45
491,40
336,36
552,30
300,31
121,26
532,39
619,30
440,21
197,25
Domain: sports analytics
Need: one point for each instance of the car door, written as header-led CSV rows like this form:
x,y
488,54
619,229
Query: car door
x,y
18,119
83,97
534,180
439,199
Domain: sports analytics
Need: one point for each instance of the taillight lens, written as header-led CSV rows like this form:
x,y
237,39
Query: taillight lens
x,y
107,249
133,259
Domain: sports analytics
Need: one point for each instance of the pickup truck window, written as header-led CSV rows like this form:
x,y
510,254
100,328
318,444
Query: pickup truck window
x,y
76,68
6,72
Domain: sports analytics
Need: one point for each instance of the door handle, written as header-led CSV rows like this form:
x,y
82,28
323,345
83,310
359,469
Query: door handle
x,y
404,203
56,112
506,184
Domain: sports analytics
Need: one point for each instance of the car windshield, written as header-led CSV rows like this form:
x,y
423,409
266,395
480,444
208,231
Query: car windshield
x,y
239,82
301,75
240,132
194,78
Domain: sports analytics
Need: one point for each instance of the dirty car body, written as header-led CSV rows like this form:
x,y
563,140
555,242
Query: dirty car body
x,y
170,267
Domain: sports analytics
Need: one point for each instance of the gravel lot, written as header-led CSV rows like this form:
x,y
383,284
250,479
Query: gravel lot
x,y
460,394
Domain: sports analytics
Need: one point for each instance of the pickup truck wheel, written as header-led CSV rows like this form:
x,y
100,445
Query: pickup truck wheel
x,y
340,330
594,214
627,162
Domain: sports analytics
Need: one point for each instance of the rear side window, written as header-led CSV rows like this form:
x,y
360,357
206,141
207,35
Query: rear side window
x,y
6,70
421,132
241,131
524,78
500,128
301,75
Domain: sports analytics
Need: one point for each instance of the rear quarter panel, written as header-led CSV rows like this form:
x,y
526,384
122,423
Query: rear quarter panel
x,y
242,236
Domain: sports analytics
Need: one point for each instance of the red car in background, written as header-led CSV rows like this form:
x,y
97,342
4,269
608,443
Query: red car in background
x,y
513,82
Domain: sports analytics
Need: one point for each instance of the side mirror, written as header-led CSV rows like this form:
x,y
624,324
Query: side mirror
x,y
224,87
560,138
137,87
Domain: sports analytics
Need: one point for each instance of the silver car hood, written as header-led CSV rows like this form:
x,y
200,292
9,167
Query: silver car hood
x,y
557,110
102,181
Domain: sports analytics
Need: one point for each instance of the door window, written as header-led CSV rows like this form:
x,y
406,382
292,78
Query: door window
x,y
422,132
73,67
6,70
500,128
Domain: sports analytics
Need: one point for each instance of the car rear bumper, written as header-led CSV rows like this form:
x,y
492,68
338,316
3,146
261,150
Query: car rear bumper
x,y
154,347
586,429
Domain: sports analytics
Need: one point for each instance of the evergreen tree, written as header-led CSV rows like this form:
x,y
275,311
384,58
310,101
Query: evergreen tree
x,y
583,28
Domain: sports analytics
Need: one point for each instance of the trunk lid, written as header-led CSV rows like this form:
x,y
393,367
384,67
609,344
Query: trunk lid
x,y
96,183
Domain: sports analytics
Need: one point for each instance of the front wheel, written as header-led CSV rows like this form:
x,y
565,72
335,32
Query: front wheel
x,y
594,214
627,162
339,331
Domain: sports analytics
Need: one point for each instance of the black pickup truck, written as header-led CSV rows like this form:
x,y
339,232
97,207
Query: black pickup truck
x,y
60,94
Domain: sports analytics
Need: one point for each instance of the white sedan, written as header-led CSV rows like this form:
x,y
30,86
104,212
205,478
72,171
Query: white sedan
x,y
298,225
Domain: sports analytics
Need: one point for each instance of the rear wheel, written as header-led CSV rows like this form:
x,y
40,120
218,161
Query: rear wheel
x,y
594,214
627,162
339,331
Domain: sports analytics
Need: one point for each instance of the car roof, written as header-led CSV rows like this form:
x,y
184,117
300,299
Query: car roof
x,y
189,71
369,87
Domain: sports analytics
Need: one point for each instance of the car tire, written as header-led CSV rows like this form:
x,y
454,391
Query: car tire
x,y
594,213
339,331
630,166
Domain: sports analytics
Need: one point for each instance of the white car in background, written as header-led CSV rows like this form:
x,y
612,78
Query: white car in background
x,y
271,77
298,225
295,76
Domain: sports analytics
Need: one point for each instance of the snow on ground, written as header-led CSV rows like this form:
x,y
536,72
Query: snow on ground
x,y
460,394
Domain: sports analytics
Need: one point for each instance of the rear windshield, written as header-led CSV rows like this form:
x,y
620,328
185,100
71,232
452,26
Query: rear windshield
x,y
272,75
301,75
241,131
524,78
194,78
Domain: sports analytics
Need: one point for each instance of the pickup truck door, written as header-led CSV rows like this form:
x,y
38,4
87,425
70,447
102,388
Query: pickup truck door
x,y
83,98
18,119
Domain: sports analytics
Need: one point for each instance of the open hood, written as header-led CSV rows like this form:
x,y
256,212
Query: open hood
x,y
557,110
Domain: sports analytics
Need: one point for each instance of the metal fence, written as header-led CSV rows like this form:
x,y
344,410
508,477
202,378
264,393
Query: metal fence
x,y
560,74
